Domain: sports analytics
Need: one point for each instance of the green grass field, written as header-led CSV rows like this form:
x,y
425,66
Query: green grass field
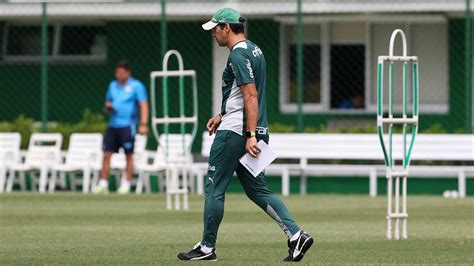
x,y
86,229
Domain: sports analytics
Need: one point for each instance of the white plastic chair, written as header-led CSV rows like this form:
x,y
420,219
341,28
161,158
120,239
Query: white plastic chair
x,y
9,154
145,168
161,165
118,161
84,155
44,150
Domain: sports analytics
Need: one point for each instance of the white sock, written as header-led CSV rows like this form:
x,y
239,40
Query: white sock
x,y
206,249
103,183
295,236
125,183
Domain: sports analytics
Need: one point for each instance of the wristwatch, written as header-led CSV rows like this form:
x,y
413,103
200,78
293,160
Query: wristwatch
x,y
250,134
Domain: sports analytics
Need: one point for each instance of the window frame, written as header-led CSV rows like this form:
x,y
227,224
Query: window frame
x,y
366,70
284,105
429,108
55,55
325,23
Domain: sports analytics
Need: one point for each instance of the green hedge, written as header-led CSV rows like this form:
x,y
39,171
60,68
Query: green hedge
x,y
90,123
95,122
436,128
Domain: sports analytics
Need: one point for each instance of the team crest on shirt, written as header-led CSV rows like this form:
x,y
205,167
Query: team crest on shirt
x,y
128,88
257,52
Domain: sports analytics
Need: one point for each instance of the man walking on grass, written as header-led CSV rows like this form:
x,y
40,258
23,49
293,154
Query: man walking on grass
x,y
241,123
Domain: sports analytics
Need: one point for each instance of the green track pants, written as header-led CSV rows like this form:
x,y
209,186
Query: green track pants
x,y
226,151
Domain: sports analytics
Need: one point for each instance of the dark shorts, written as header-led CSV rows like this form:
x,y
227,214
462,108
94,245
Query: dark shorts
x,y
119,137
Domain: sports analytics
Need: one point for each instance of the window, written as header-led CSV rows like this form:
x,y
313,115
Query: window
x,y
347,76
82,40
428,41
340,64
334,67
26,40
312,81
65,42
347,65
311,74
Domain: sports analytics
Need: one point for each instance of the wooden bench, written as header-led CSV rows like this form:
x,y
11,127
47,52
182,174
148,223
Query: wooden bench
x,y
302,149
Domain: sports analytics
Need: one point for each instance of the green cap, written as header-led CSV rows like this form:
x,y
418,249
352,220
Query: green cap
x,y
225,15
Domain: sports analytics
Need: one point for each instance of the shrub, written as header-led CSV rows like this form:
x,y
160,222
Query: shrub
x,y
25,126
90,123
281,128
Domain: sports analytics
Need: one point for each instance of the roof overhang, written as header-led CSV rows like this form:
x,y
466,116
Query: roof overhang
x,y
115,9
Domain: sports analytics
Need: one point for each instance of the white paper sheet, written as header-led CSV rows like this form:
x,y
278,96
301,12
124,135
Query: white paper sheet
x,y
257,165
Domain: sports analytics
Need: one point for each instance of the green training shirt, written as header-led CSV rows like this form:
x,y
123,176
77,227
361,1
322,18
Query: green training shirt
x,y
246,64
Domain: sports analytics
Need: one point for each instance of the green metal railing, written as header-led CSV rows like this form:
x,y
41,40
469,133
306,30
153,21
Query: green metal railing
x,y
299,66
468,67
44,67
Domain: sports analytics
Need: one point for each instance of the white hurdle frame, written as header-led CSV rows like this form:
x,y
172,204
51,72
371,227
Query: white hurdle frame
x,y
393,212
176,165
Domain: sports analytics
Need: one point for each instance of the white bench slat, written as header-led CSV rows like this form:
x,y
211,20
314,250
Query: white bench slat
x,y
427,147
365,146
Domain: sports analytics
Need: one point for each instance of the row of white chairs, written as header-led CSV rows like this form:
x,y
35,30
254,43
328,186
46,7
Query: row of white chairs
x,y
44,161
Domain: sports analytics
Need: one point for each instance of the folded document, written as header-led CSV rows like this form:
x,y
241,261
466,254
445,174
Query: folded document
x,y
264,159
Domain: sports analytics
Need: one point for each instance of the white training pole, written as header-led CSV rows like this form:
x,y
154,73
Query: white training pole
x,y
404,195
397,207
389,207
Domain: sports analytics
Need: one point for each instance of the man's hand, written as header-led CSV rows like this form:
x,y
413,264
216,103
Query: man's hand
x,y
251,147
213,123
108,108
142,129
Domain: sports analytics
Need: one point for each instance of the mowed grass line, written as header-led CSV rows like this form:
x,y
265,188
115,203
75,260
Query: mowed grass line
x,y
68,228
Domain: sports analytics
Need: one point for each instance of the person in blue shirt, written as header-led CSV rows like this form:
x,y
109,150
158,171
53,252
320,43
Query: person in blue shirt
x,y
126,104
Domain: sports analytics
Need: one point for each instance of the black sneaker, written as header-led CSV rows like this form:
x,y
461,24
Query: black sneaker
x,y
298,247
198,254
